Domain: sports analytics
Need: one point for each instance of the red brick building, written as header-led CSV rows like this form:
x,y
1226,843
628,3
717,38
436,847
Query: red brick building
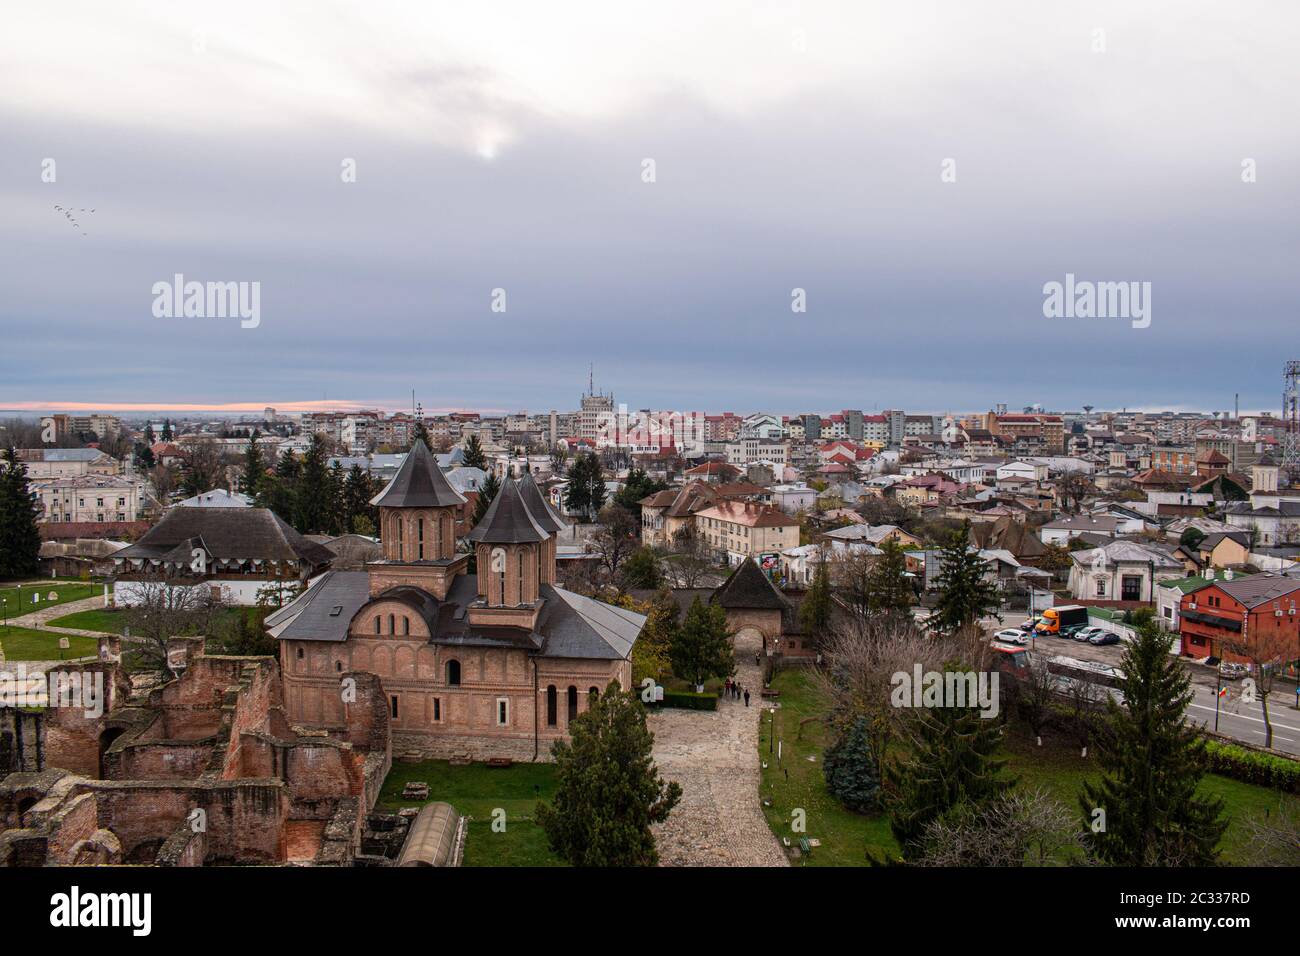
x,y
1226,616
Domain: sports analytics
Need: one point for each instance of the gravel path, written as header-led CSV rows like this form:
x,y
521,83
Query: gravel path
x,y
37,619
714,756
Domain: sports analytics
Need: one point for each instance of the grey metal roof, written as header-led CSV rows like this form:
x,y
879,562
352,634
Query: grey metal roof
x,y
72,454
467,478
508,520
577,626
537,505
312,616
419,483
1256,589
569,626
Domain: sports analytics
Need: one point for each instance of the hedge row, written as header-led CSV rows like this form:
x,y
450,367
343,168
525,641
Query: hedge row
x,y
689,700
1251,766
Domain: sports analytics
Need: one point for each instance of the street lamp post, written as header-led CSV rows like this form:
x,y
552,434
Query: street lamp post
x,y
1218,687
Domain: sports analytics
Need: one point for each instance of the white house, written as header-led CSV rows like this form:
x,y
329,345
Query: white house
x,y
1025,469
1120,571
793,498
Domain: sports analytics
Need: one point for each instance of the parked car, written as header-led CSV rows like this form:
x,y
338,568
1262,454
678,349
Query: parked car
x,y
1232,671
1011,635
1088,633
1029,625
1104,638
1071,630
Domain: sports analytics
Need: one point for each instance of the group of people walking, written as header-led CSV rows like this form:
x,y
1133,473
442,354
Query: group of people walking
x,y
735,691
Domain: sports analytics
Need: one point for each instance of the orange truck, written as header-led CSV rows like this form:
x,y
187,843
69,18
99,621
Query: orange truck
x,y
1055,618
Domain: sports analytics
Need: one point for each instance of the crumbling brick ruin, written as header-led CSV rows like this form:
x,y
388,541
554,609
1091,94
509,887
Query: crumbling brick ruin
x,y
205,769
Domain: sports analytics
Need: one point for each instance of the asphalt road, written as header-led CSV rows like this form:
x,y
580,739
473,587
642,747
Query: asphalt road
x,y
1236,718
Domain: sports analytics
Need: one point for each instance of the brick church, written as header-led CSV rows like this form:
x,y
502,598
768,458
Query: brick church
x,y
493,664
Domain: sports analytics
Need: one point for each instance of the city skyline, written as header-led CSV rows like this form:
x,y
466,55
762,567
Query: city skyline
x,y
876,164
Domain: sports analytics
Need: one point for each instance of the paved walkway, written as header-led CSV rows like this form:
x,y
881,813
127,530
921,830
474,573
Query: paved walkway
x,y
37,619
714,756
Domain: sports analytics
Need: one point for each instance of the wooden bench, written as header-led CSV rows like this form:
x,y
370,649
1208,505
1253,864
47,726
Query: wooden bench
x,y
500,762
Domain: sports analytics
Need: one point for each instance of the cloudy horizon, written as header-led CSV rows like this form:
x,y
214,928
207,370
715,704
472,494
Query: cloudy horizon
x,y
920,173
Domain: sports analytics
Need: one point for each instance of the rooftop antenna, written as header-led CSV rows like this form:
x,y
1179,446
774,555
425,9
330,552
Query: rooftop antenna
x,y
591,378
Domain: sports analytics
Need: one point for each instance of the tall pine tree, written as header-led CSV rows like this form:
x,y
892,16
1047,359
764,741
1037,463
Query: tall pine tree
x,y
315,504
701,646
486,494
474,456
1152,763
889,588
966,593
950,763
20,538
254,467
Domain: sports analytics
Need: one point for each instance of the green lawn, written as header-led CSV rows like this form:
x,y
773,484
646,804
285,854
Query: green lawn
x,y
28,644
18,600
111,621
475,791
799,784
1056,767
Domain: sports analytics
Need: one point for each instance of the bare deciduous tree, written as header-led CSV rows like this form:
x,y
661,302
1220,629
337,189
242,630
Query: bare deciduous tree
x,y
1019,828
1273,837
689,564
162,609
1267,651
860,658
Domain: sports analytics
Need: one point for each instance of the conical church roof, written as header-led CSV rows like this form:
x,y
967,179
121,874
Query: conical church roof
x,y
419,483
537,505
508,520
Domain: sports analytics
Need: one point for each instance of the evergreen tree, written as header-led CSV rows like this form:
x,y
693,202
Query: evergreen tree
x,y
167,430
889,588
314,491
337,516
149,438
586,492
641,570
950,763
20,537
636,486
850,769
474,456
1152,763
701,647
486,494
254,468
421,433
144,457
815,611
279,492
965,593
358,489
610,791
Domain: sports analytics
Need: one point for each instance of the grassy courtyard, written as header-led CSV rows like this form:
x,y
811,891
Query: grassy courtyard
x,y
28,644
18,600
846,837
476,791
112,620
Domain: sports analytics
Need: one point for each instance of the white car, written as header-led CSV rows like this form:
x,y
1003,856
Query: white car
x,y
1011,635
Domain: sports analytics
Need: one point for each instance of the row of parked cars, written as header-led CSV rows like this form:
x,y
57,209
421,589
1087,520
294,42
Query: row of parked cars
x,y
1079,632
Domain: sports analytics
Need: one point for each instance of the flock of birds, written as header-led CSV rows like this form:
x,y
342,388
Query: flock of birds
x,y
72,219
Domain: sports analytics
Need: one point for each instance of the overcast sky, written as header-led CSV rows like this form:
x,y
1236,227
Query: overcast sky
x,y
795,145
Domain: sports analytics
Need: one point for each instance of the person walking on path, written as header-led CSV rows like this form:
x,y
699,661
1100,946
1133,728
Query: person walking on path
x,y
746,696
